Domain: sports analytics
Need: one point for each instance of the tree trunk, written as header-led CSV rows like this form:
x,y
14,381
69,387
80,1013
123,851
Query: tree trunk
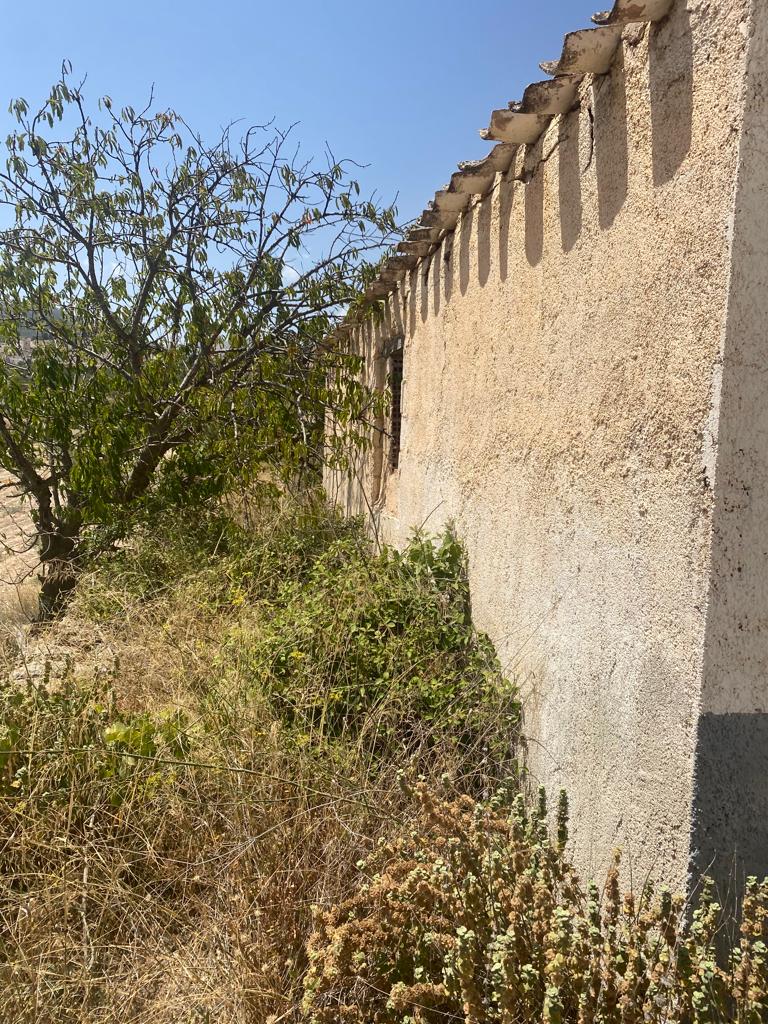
x,y
59,579
60,561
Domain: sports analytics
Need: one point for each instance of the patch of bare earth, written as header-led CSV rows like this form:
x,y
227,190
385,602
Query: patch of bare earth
x,y
18,573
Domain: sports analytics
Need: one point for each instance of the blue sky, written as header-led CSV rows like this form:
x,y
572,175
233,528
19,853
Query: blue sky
x,y
399,86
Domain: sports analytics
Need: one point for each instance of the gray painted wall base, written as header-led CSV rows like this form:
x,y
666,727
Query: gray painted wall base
x,y
729,838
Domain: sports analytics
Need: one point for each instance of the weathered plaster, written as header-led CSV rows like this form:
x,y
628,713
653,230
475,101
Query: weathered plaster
x,y
730,807
562,348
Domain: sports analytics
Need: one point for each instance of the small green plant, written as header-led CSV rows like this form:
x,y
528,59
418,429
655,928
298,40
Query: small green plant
x,y
63,737
475,914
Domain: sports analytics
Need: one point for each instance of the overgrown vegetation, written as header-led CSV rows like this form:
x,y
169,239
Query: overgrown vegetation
x,y
177,798
261,773
474,913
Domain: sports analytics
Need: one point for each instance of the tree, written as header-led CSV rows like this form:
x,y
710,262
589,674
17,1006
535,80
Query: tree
x,y
181,294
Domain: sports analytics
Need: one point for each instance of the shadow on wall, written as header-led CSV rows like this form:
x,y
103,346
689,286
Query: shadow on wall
x,y
424,270
477,219
506,198
670,70
436,270
412,281
610,140
534,208
671,86
729,836
569,179
484,216
445,254
398,312
466,224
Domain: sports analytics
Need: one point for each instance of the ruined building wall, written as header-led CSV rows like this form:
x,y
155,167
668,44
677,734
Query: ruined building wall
x,y
563,404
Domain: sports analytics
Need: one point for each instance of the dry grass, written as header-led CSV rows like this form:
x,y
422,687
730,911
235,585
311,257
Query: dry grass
x,y
166,873
189,900
214,739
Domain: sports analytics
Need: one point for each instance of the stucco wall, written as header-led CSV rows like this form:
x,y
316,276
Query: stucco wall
x,y
730,835
561,407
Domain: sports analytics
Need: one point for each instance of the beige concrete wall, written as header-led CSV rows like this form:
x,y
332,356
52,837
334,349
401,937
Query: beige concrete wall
x,y
560,407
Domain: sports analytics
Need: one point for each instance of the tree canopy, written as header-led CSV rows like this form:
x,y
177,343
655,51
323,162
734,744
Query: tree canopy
x,y
165,305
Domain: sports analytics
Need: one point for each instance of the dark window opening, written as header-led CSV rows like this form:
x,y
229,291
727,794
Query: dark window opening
x,y
396,394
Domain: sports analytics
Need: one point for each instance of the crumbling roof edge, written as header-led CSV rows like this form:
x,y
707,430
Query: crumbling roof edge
x,y
588,51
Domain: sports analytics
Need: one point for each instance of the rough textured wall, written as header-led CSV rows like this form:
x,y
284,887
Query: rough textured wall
x,y
731,779
560,355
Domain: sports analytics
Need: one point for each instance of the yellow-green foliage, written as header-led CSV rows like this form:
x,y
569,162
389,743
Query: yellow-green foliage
x,y
343,641
475,914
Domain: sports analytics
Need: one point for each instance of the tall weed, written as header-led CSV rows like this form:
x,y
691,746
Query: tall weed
x,y
473,913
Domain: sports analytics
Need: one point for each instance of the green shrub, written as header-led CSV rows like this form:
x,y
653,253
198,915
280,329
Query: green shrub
x,y
476,915
340,640
243,552
382,646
